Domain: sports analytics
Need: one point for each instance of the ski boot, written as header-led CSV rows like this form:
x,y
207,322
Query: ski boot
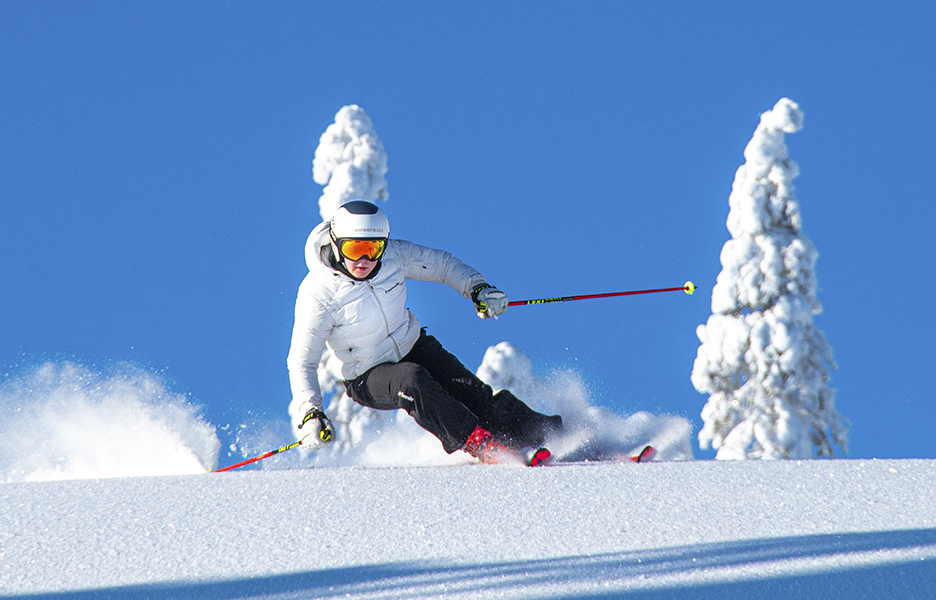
x,y
482,445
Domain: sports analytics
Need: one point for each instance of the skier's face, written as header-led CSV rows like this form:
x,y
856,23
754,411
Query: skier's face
x,y
360,268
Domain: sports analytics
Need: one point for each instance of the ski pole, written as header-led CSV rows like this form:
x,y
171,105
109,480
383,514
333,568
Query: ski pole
x,y
325,434
689,287
261,457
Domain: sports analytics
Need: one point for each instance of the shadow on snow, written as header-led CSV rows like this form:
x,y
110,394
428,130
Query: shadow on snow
x,y
624,574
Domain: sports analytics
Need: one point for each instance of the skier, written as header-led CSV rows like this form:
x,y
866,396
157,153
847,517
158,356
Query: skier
x,y
354,298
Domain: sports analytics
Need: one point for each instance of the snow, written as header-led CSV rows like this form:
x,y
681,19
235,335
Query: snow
x,y
105,493
694,529
66,421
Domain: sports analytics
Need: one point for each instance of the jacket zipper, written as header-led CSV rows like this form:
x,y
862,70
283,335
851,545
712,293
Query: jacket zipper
x,y
383,314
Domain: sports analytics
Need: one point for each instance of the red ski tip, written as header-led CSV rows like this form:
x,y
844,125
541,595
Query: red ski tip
x,y
540,458
644,455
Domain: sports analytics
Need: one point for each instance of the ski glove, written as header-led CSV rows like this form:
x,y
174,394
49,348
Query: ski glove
x,y
489,301
317,427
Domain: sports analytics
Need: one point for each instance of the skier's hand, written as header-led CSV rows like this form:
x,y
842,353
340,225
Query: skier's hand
x,y
489,301
317,428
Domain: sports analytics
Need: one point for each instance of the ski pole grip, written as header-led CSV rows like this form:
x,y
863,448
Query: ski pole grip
x,y
480,306
325,433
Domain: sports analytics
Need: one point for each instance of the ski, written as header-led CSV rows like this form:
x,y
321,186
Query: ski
x,y
644,455
594,456
540,457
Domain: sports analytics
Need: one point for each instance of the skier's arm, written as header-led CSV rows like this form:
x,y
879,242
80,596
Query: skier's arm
x,y
311,329
428,264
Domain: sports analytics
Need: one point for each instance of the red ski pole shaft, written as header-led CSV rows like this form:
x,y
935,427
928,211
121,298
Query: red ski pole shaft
x,y
689,287
258,458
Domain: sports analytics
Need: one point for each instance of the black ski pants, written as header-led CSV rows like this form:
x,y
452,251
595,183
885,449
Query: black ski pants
x,y
448,400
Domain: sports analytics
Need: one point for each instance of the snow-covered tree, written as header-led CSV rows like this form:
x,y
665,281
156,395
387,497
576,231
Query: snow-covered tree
x,y
763,361
349,161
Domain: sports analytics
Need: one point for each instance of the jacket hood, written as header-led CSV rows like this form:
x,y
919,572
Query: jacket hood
x,y
320,255
318,247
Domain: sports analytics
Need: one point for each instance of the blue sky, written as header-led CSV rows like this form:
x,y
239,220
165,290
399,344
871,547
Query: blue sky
x,y
156,183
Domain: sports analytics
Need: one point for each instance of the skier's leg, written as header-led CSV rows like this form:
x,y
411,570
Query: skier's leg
x,y
409,386
522,423
503,414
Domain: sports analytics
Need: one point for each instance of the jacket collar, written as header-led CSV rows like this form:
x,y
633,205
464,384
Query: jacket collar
x,y
339,266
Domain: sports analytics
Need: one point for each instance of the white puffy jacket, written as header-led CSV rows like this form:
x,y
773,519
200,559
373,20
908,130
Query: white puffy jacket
x,y
365,323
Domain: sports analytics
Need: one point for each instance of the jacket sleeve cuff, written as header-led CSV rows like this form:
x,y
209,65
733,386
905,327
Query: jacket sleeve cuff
x,y
477,290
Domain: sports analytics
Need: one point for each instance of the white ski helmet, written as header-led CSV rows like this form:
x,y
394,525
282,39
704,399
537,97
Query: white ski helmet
x,y
359,220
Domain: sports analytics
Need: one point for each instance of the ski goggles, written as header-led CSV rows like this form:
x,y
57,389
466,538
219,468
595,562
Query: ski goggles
x,y
353,249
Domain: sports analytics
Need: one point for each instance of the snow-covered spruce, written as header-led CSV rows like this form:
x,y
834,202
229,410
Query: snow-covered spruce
x,y
349,161
763,361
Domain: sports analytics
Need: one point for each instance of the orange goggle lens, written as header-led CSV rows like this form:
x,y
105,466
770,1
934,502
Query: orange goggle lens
x,y
358,249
